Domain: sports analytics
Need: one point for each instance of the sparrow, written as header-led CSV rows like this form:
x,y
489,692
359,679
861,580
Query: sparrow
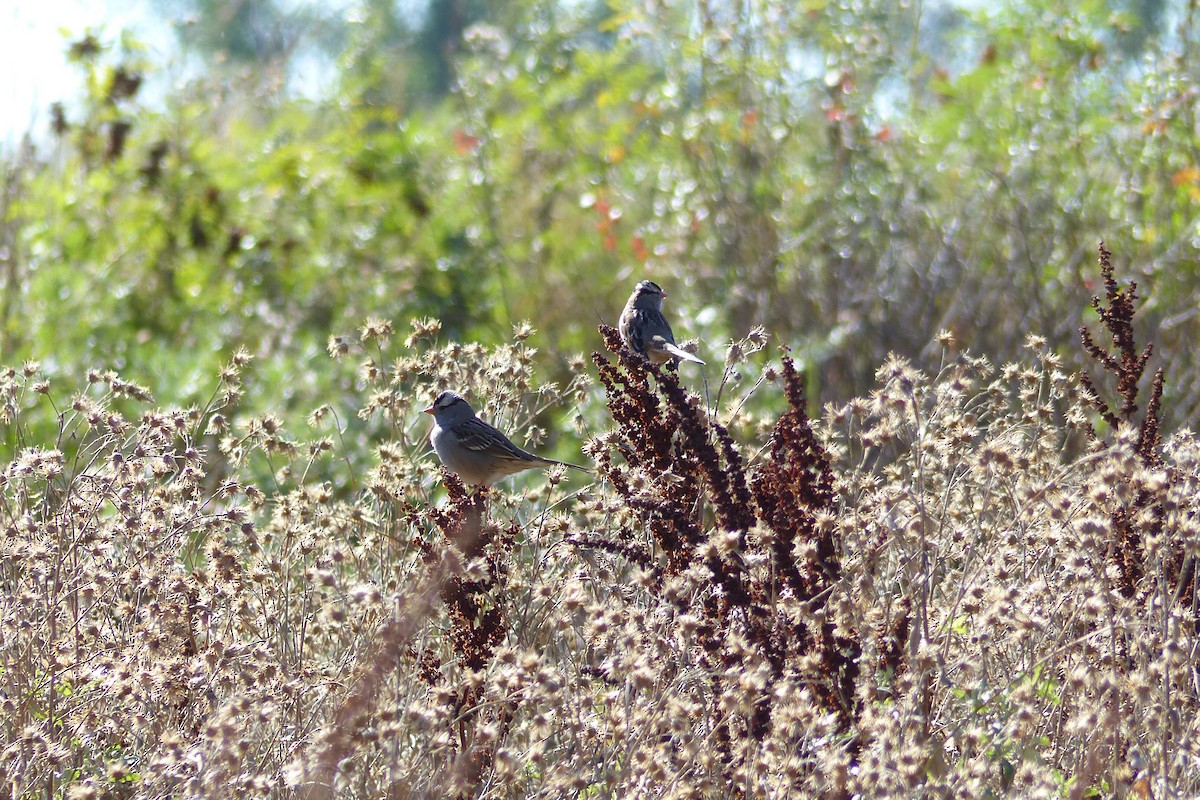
x,y
645,330
474,450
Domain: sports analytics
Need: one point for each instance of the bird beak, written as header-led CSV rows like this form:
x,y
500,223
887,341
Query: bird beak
x,y
427,410
664,294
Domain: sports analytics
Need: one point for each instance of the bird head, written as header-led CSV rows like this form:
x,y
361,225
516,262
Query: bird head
x,y
450,405
648,294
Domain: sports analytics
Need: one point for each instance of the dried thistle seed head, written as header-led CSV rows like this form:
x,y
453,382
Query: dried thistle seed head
x,y
337,346
376,329
522,330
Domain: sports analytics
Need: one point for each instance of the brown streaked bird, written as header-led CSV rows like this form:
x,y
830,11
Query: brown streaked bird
x,y
645,330
474,450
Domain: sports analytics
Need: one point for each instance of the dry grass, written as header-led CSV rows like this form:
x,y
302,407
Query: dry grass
x,y
954,587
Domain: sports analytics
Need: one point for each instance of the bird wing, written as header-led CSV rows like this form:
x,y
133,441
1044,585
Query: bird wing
x,y
649,329
475,434
655,333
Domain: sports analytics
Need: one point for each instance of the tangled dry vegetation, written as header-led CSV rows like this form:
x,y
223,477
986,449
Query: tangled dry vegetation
x,y
976,582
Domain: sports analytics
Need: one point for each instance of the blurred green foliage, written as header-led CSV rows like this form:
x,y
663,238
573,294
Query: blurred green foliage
x,y
854,176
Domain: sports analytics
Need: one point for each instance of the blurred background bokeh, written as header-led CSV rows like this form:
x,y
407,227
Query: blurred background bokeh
x,y
191,176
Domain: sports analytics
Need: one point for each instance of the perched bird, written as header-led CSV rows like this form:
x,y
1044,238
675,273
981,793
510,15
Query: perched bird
x,y
645,330
473,449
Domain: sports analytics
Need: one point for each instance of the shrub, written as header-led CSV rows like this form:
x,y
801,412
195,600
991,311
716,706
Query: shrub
x,y
957,585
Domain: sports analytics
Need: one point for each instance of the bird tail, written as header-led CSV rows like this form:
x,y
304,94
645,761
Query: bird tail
x,y
569,464
679,352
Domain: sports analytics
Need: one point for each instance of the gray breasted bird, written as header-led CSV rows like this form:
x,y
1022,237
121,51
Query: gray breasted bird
x,y
474,450
645,330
